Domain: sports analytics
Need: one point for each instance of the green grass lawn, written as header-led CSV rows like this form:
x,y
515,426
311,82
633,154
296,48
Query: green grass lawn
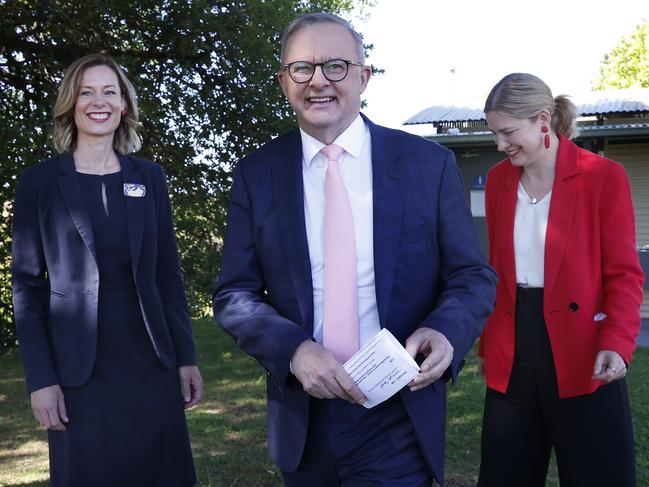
x,y
228,429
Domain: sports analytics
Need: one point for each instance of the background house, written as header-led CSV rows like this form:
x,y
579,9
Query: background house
x,y
613,123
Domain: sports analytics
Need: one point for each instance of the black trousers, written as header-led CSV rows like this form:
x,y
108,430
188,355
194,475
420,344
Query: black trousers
x,y
592,435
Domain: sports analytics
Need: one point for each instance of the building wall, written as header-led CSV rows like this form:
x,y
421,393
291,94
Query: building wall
x,y
635,158
474,163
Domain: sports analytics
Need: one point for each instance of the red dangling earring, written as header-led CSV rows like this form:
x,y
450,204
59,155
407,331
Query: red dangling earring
x,y
123,112
546,139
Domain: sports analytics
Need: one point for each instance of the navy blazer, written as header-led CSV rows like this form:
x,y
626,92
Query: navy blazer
x,y
56,280
428,268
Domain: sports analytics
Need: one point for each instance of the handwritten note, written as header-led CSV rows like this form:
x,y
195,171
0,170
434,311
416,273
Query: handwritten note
x,y
381,368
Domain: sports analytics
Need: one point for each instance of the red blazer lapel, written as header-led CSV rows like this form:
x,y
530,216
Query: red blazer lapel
x,y
507,212
562,207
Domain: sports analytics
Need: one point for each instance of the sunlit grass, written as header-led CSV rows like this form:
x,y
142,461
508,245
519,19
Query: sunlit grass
x,y
228,429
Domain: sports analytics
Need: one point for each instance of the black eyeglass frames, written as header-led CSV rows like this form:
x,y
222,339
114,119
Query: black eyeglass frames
x,y
334,70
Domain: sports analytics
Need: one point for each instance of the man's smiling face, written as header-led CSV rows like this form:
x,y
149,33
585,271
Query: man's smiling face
x,y
324,109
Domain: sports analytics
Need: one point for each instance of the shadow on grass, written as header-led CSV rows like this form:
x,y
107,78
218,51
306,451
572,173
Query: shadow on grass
x,y
228,428
23,446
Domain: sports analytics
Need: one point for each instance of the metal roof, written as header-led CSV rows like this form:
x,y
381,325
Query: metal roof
x,y
632,100
613,101
446,113
585,131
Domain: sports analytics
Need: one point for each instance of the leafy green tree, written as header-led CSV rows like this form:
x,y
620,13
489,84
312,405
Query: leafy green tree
x,y
205,76
627,65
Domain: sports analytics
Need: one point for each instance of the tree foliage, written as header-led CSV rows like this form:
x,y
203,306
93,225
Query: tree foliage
x,y
627,65
204,72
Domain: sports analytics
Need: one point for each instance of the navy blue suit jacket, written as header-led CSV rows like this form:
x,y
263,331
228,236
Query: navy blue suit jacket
x,y
56,280
428,269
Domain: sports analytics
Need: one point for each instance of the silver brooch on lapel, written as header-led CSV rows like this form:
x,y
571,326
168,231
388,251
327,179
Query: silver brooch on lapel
x,y
134,190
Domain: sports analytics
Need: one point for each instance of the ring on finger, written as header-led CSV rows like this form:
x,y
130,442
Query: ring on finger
x,y
612,369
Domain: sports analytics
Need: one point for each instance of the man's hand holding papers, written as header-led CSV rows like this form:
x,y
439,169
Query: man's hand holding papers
x,y
381,368
438,351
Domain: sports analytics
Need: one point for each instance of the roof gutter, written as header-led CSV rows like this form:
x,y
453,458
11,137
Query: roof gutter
x,y
477,138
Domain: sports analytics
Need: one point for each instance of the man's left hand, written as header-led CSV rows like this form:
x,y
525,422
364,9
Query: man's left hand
x,y
191,385
438,351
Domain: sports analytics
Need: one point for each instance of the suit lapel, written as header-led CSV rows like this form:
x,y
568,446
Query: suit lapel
x,y
562,207
134,210
70,188
288,189
387,187
506,215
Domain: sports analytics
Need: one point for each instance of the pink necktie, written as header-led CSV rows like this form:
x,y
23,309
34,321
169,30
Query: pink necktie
x,y
340,329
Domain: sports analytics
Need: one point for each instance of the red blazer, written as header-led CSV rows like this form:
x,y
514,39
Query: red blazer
x,y
591,266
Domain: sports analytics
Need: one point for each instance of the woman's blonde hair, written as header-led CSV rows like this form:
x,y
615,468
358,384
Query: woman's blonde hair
x,y
126,138
523,95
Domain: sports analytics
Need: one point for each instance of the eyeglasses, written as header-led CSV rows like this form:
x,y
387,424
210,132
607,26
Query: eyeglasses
x,y
334,70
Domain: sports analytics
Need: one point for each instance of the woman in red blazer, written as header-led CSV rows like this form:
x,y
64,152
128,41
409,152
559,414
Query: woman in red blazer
x,y
555,351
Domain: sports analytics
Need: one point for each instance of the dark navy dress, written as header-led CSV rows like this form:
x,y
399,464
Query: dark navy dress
x,y
127,424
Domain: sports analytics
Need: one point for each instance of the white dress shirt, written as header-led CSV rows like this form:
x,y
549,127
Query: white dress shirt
x,y
530,225
356,172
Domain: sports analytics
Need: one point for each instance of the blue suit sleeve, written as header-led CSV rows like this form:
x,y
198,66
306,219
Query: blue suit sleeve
x,y
30,289
170,281
240,305
468,282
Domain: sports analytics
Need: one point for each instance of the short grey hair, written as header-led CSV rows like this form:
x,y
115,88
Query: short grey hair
x,y
306,20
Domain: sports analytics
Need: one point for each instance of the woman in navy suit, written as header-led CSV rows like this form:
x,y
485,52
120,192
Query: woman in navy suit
x,y
101,314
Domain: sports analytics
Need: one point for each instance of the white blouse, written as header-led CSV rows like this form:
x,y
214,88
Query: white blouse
x,y
530,224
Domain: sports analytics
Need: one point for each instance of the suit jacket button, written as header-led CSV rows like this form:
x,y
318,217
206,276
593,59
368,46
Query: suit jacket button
x,y
573,306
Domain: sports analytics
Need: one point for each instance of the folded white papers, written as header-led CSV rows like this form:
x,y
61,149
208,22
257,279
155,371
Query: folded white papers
x,y
381,368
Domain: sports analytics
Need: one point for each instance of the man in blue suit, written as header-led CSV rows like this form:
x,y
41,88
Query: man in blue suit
x,y
419,273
